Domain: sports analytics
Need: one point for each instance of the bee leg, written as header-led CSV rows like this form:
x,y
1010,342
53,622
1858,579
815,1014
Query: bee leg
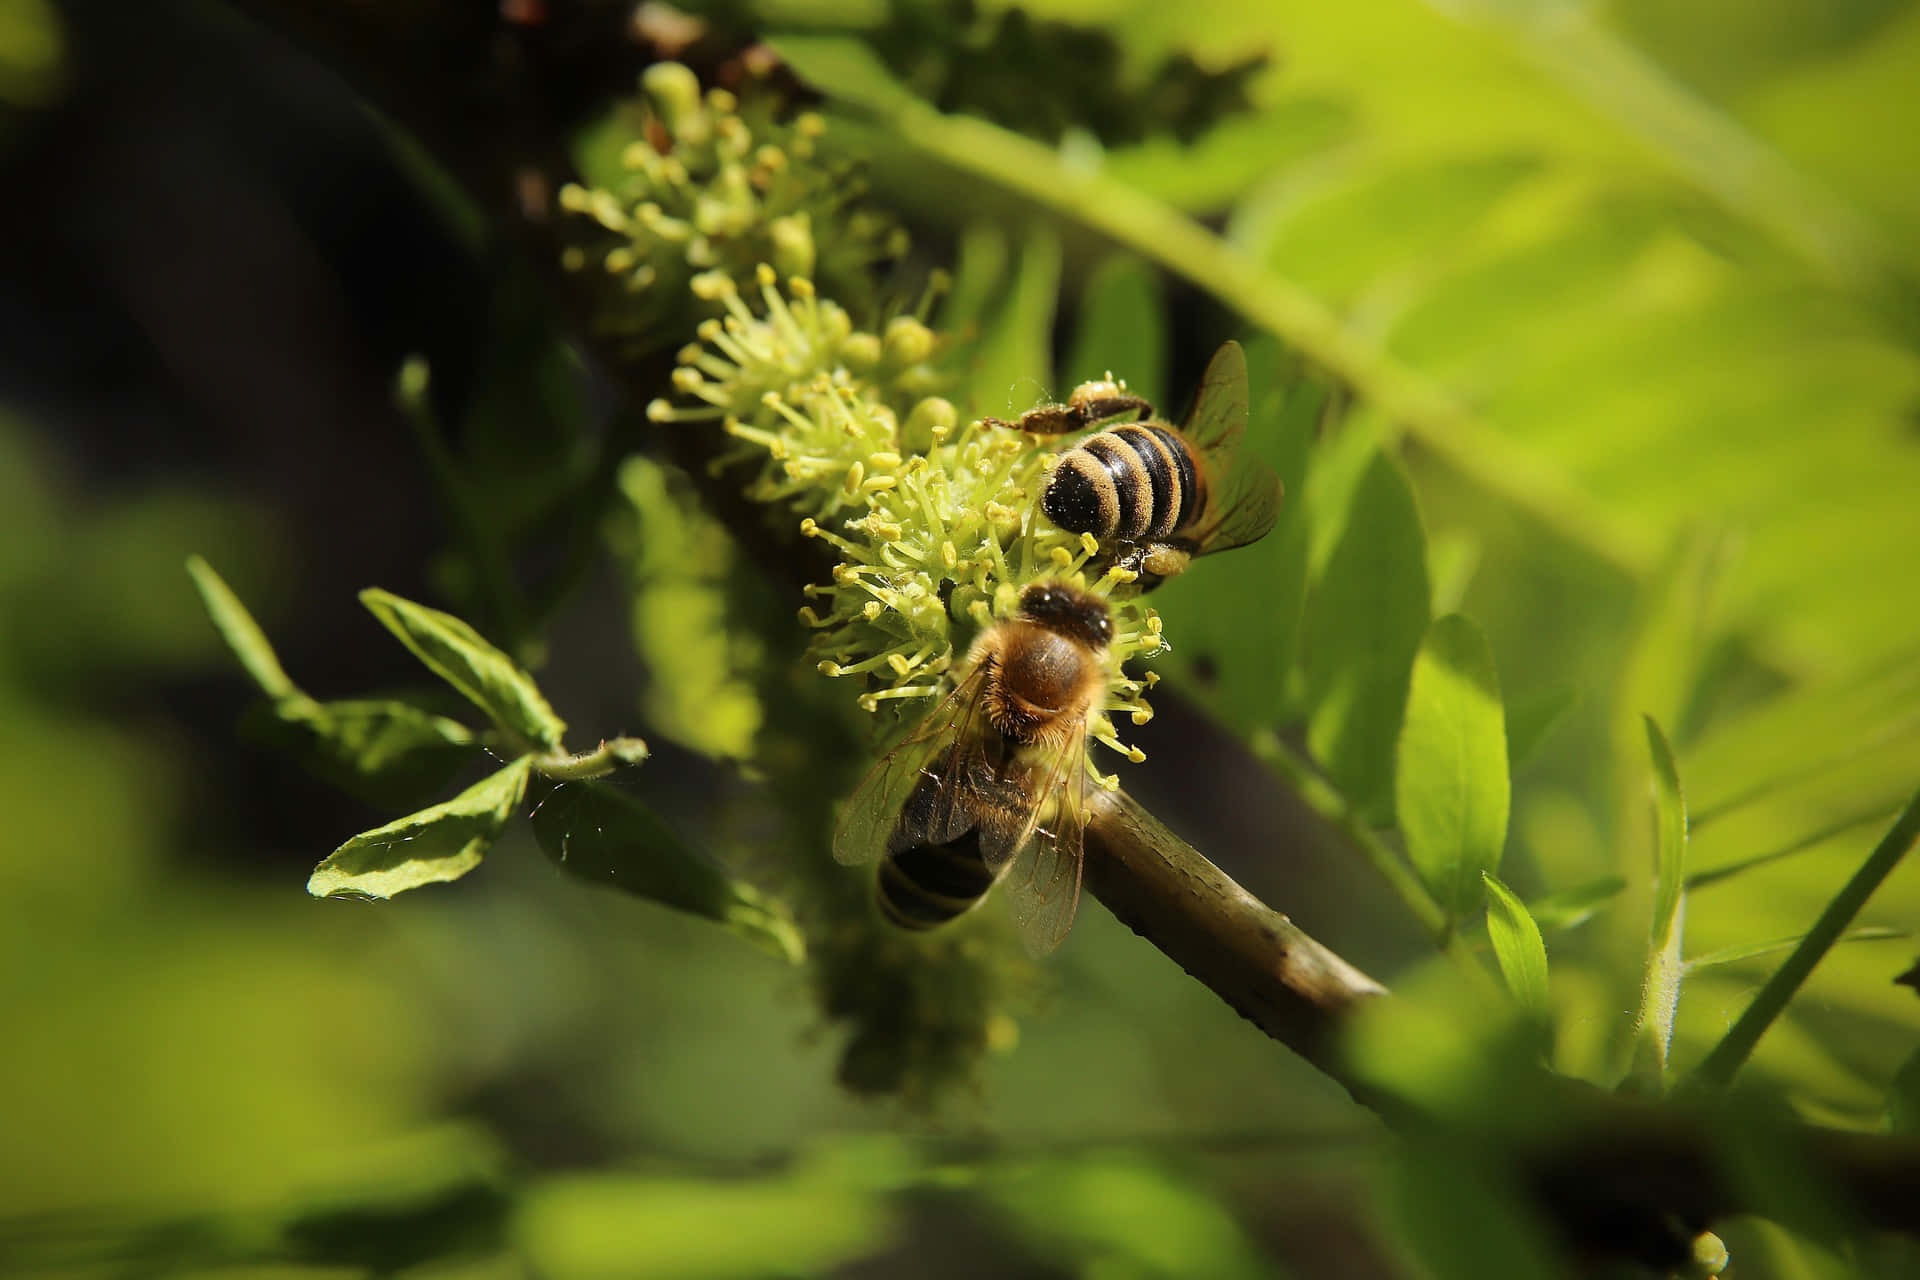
x,y
1159,561
1114,406
1048,420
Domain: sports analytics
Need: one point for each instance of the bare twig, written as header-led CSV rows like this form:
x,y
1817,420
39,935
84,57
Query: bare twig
x,y
1251,956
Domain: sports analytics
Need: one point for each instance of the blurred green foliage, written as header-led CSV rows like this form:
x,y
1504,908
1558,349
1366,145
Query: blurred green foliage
x,y
1646,255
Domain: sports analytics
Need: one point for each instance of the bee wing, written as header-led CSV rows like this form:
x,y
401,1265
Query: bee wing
x,y
924,783
1241,508
1244,493
1043,882
1219,415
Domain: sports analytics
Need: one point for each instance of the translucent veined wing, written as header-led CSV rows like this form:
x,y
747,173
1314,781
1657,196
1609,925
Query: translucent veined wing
x,y
931,767
1219,415
1243,493
1243,502
1043,881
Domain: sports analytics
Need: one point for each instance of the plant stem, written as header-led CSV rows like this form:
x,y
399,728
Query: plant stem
x,y
597,763
1717,1069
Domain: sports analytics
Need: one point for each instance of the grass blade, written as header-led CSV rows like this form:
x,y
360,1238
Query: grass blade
x,y
1717,1069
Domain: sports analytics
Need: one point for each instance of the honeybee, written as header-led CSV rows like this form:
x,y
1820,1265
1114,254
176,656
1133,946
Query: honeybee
x,y
992,787
1165,494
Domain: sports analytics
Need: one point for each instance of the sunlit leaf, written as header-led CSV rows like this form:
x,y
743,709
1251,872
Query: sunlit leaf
x,y
1665,970
1364,621
1013,359
602,834
1670,835
1517,946
1451,791
464,659
1237,647
387,751
671,1228
434,845
1120,329
240,631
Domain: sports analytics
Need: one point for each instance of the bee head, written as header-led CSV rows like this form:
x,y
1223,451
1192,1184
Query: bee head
x,y
1070,612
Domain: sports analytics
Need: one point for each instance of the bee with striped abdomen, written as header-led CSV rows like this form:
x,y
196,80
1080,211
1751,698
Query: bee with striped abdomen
x,y
992,787
1165,494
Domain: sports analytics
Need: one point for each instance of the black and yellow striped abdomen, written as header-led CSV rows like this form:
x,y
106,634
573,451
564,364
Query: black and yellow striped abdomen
x,y
1136,483
926,886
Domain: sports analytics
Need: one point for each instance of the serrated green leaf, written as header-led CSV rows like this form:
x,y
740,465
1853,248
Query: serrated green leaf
x,y
240,631
1532,718
1670,834
387,751
428,847
1573,906
1451,790
602,834
1364,621
1121,328
1517,945
464,659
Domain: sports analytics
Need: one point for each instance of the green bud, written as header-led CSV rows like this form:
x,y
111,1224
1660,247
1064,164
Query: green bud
x,y
673,91
860,352
792,236
908,341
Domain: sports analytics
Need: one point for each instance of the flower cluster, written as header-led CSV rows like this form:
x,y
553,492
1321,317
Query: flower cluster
x,y
712,182
936,521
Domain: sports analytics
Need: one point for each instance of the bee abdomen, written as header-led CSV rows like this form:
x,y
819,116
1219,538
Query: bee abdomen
x,y
926,886
1134,483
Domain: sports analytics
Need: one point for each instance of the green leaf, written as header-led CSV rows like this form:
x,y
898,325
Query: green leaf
x,y
1237,646
1364,622
1670,835
846,68
1754,950
598,832
385,750
1013,359
1660,992
1717,1069
1530,719
1451,790
240,631
1573,906
433,845
462,657
1121,328
1517,945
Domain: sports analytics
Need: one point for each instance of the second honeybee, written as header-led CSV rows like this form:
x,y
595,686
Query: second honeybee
x,y
1164,494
